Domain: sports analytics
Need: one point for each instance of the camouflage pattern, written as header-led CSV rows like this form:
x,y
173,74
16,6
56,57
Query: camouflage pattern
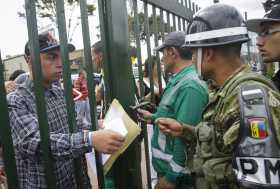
x,y
276,79
217,134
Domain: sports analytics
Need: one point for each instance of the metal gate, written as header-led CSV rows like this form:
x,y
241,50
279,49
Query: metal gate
x,y
165,16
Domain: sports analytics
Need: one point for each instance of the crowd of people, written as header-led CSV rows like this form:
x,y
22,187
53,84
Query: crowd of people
x,y
216,123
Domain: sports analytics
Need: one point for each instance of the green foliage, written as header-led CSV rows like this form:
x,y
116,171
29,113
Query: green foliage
x,y
152,28
47,9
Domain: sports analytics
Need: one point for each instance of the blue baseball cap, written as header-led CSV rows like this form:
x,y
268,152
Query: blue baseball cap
x,y
173,39
47,43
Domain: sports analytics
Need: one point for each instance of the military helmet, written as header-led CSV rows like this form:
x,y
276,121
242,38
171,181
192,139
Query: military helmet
x,y
272,16
216,25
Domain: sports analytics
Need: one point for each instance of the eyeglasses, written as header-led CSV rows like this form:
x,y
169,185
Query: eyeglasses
x,y
268,32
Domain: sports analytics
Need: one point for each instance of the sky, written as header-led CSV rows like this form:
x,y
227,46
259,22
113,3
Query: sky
x,y
13,33
253,8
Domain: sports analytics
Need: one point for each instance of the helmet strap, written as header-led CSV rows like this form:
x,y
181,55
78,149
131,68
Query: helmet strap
x,y
199,63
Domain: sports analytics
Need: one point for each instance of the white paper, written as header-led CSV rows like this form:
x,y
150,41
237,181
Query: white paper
x,y
115,125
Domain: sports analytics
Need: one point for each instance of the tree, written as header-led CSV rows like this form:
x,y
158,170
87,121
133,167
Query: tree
x,y
141,26
46,10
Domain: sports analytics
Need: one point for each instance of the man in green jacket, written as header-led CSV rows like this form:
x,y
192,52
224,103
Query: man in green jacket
x,y
236,142
183,99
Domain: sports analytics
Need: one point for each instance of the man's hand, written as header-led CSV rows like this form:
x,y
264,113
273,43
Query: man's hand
x,y
169,126
144,115
107,141
164,184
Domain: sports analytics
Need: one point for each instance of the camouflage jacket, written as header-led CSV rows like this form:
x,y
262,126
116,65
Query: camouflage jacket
x,y
276,79
217,135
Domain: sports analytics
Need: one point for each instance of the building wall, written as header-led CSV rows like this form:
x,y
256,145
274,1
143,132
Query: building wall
x,y
18,63
14,63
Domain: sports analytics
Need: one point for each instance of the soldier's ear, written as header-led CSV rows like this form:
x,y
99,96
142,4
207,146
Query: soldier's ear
x,y
208,54
172,51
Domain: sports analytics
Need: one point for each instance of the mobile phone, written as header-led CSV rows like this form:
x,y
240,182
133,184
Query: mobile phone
x,y
141,105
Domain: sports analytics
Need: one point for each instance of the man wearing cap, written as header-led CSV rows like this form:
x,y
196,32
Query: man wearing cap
x,y
268,41
65,146
183,99
237,142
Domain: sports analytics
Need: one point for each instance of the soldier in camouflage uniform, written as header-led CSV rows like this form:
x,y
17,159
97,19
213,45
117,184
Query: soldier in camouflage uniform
x,y
215,36
268,41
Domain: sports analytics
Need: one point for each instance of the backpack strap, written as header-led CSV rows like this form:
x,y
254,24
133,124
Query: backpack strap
x,y
251,77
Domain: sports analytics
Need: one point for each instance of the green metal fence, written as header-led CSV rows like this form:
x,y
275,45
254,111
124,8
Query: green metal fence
x,y
180,12
166,16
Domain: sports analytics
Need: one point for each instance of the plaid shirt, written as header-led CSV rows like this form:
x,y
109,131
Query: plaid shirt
x,y
26,138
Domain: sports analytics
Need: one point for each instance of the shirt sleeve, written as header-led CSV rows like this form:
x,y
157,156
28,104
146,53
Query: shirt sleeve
x,y
190,105
26,135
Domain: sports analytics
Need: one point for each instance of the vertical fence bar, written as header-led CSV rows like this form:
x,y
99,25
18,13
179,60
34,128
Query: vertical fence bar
x,y
184,25
148,42
162,28
179,24
190,5
193,7
168,22
162,25
156,44
140,79
114,33
91,86
66,65
138,47
186,4
39,91
150,67
104,35
182,2
5,135
67,82
4,71
174,22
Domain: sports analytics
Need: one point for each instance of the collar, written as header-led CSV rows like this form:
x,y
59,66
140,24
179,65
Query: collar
x,y
177,76
221,92
28,84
